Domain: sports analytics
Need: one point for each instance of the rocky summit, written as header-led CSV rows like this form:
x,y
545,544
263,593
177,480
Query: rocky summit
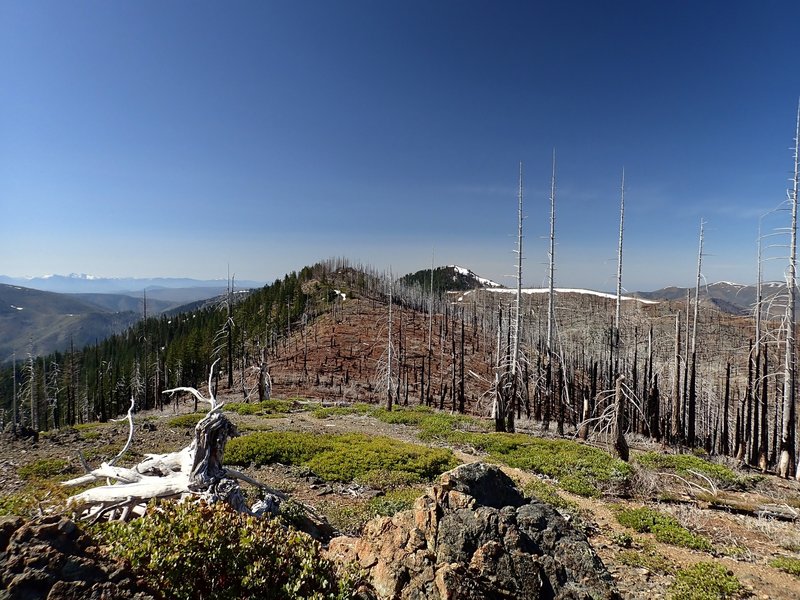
x,y
474,536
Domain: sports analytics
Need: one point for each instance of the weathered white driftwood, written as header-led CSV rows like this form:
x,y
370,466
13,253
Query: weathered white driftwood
x,y
195,472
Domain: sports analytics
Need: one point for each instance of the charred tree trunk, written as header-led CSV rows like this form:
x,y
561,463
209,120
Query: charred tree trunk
x,y
618,433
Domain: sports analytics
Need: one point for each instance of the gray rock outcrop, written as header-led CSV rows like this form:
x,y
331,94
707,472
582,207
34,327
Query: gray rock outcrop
x,y
51,558
474,536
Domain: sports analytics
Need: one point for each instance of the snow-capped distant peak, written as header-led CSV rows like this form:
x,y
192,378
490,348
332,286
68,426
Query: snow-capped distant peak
x,y
730,283
482,280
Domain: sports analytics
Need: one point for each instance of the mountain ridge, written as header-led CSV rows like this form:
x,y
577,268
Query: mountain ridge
x,y
129,286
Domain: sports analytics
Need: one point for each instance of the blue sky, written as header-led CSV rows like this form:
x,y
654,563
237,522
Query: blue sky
x,y
175,138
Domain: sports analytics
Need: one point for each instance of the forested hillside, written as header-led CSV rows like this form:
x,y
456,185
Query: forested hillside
x,y
338,332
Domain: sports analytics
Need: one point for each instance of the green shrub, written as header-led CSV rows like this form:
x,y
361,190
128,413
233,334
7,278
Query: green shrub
x,y
347,518
579,469
85,426
340,411
665,528
704,581
186,421
645,559
394,502
18,503
787,564
267,408
267,447
383,479
196,551
44,468
356,454
684,464
536,488
342,457
433,425
36,494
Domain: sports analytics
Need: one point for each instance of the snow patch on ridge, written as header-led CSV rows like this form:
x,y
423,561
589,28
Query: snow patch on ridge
x,y
488,283
572,291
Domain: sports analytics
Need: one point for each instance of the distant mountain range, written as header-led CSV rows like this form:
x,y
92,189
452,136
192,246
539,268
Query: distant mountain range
x,y
40,321
76,283
733,298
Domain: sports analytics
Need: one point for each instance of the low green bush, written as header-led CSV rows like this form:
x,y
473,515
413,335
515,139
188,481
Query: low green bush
x,y
186,421
85,426
44,468
665,528
546,492
394,501
341,411
266,408
433,425
579,469
787,564
383,479
193,551
19,503
645,559
704,581
684,464
340,457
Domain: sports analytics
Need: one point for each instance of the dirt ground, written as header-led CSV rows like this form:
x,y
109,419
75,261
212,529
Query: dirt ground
x,y
744,544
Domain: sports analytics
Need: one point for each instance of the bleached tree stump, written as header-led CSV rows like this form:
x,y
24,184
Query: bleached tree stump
x,y
195,473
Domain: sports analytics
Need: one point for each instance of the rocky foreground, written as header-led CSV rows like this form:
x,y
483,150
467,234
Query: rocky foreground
x,y
52,558
471,536
474,536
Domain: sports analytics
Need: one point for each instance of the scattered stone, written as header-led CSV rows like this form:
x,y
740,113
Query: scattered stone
x,y
474,536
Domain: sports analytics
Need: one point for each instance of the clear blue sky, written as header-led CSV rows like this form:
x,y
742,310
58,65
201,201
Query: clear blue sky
x,y
174,138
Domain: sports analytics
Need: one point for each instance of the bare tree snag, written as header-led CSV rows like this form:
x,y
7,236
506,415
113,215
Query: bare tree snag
x,y
677,431
786,462
620,445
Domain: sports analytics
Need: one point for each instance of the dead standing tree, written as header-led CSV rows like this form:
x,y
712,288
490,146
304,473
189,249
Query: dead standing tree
x,y
786,463
510,389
